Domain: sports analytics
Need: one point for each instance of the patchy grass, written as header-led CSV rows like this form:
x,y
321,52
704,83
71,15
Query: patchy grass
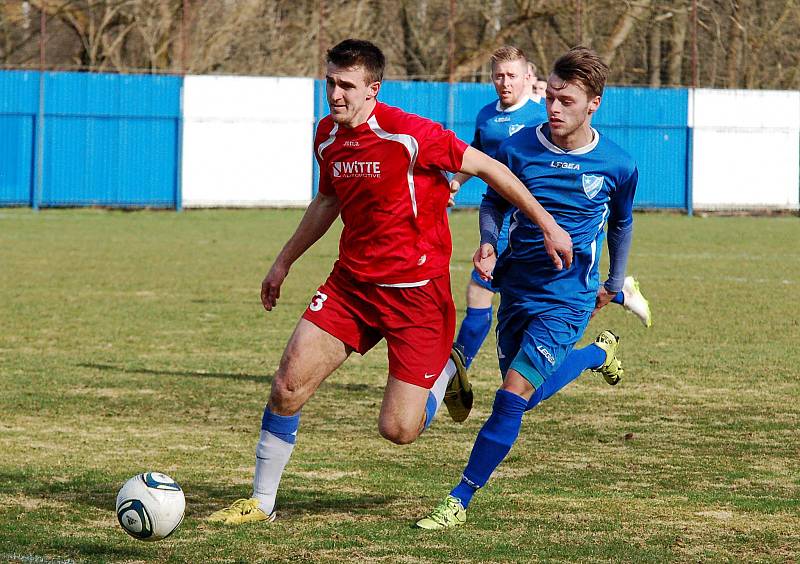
x,y
134,341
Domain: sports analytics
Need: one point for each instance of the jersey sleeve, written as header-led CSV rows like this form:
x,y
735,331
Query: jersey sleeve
x,y
621,201
439,148
476,139
620,231
491,197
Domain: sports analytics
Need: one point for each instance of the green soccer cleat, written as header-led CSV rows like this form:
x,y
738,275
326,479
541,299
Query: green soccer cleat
x,y
240,512
449,513
611,369
635,302
458,397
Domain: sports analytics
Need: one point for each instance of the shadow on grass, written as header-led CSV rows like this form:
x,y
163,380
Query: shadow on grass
x,y
186,373
202,498
99,489
258,378
107,552
61,549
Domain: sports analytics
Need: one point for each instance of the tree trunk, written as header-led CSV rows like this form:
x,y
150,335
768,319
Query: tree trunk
x,y
680,21
654,55
622,29
734,45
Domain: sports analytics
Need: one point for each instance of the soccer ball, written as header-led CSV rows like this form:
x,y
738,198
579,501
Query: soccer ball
x,y
150,506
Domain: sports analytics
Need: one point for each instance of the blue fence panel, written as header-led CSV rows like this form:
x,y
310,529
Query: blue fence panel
x,y
651,124
19,101
111,140
470,98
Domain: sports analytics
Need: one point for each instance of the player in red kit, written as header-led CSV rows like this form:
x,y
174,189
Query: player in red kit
x,y
383,171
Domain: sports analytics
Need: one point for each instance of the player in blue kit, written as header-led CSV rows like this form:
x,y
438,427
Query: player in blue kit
x,y
585,181
497,121
514,111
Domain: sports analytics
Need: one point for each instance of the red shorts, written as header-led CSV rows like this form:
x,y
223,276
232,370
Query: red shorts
x,y
417,323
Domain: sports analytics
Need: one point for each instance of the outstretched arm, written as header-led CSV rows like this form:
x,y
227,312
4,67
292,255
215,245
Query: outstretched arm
x,y
490,220
319,216
557,242
620,237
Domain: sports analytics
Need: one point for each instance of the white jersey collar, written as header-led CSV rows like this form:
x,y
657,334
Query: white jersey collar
x,y
513,108
556,149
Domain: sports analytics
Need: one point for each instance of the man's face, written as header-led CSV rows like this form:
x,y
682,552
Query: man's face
x,y
348,94
540,88
568,106
511,81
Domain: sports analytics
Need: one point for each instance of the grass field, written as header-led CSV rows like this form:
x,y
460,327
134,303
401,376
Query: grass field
x,y
136,341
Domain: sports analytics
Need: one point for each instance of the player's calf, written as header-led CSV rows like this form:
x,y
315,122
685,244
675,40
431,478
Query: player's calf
x,y
402,414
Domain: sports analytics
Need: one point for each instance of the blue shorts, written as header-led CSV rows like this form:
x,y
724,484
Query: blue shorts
x,y
545,337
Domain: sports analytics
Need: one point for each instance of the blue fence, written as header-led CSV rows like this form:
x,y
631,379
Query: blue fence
x,y
73,139
19,95
651,124
70,139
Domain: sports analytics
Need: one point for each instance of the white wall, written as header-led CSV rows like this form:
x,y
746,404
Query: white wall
x,y
247,141
746,151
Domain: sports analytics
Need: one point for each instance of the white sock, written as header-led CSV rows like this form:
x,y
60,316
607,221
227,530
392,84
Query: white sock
x,y
272,455
437,392
440,386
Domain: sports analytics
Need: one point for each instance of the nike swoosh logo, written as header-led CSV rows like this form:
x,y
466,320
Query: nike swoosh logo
x,y
429,376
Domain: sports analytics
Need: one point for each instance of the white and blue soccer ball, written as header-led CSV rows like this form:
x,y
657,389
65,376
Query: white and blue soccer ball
x,y
150,506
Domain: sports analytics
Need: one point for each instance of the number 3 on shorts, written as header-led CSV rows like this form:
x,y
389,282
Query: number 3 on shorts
x,y
317,301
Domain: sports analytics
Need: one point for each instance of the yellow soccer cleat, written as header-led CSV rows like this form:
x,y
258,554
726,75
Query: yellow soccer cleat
x,y
449,513
611,369
635,302
458,397
240,512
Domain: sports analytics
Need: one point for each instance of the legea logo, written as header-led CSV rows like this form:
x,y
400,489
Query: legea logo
x,y
547,354
356,169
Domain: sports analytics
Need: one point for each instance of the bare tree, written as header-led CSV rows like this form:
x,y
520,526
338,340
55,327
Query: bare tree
x,y
741,43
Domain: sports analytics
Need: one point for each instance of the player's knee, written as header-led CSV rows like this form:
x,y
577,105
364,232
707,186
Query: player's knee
x,y
397,432
286,397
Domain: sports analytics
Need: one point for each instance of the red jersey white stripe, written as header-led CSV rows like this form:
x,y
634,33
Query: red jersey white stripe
x,y
387,175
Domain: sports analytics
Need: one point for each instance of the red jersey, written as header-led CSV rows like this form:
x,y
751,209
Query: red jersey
x,y
388,175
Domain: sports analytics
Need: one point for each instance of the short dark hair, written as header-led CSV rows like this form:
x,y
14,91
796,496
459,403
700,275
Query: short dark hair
x,y
359,53
581,64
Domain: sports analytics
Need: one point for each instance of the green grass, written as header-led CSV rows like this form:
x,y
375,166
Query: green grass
x,y
132,341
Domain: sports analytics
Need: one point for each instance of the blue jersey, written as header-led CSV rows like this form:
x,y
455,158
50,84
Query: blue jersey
x,y
583,190
493,125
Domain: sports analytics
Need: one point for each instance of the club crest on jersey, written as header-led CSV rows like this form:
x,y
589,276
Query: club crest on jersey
x,y
512,129
592,184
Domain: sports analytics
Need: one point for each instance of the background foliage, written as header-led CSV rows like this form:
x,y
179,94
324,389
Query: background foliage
x,y
740,43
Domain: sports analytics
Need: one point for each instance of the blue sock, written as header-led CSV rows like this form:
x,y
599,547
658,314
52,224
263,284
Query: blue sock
x,y
473,331
492,445
430,409
576,362
282,426
619,298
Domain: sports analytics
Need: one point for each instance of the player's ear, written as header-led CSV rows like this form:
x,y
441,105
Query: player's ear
x,y
594,103
373,89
